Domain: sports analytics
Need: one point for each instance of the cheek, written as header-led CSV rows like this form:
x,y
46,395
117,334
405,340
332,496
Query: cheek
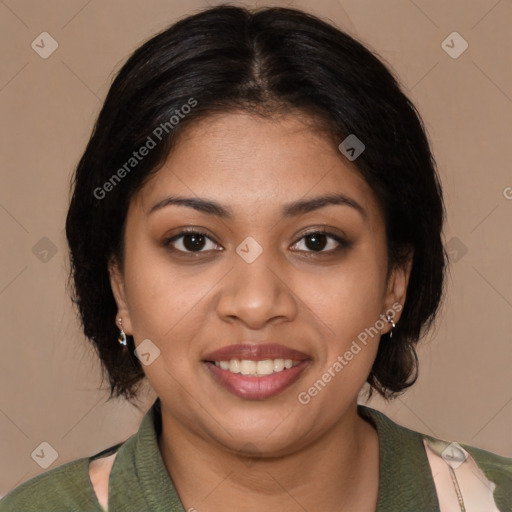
x,y
349,302
349,297
166,307
161,297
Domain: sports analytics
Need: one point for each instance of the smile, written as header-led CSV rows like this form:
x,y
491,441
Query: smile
x,y
256,368
255,371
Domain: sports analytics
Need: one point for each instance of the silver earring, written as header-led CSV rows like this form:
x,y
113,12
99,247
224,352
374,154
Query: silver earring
x,y
389,318
122,336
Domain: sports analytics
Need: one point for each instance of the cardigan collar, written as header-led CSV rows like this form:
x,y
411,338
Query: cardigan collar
x,y
404,470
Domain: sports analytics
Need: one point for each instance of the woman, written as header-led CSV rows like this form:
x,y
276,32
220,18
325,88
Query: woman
x,y
256,228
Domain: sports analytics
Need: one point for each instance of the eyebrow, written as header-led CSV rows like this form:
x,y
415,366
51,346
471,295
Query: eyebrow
x,y
289,210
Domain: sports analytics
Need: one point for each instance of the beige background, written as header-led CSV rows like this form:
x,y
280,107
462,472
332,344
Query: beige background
x,y
49,375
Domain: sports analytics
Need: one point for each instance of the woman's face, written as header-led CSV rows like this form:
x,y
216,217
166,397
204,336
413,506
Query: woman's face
x,y
258,275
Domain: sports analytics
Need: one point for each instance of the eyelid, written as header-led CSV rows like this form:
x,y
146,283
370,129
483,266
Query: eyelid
x,y
183,232
339,239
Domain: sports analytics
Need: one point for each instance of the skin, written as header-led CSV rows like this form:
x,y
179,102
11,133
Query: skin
x,y
222,451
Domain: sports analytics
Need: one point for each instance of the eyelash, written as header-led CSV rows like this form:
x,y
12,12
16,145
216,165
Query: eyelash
x,y
343,244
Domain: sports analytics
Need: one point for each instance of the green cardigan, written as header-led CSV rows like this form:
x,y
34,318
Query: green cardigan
x,y
139,481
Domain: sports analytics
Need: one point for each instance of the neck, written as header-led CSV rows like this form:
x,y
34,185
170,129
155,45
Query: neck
x,y
338,471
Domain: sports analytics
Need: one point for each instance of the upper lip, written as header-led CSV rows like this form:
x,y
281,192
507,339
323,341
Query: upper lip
x,y
255,352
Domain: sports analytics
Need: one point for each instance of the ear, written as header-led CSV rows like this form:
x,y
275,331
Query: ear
x,y
118,289
396,289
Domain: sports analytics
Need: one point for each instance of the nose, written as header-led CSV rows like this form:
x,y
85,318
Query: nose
x,y
256,294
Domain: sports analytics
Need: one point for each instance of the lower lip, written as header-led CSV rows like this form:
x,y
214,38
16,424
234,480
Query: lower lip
x,y
256,388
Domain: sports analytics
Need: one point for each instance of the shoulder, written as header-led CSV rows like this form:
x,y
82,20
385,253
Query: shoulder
x,y
454,452
490,460
496,468
66,487
478,475
476,471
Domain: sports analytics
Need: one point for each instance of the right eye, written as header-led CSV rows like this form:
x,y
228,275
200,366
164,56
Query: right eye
x,y
189,241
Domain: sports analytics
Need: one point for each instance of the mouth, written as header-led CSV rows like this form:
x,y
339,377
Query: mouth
x,y
256,371
256,368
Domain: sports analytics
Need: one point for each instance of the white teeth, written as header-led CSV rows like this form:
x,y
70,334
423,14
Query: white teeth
x,y
234,366
256,368
278,365
247,367
265,367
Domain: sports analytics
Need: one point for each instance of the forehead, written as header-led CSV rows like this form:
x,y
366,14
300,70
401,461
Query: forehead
x,y
250,162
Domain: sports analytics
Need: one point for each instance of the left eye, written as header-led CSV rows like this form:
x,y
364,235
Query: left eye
x,y
319,239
